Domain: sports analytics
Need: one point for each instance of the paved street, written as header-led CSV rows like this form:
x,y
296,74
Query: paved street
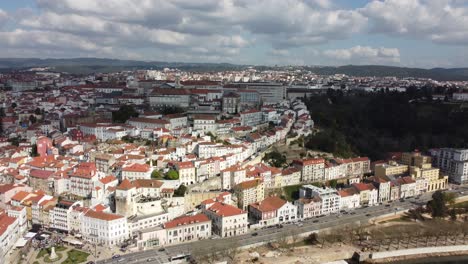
x,y
362,215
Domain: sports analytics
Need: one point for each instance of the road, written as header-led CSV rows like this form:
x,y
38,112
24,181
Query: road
x,y
362,215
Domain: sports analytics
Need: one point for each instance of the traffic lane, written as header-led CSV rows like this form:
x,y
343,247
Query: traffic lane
x,y
267,234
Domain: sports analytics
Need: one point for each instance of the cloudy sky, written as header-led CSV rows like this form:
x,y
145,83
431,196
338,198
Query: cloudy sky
x,y
421,33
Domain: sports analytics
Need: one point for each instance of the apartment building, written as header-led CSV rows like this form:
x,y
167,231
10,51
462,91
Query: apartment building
x,y
187,229
227,220
453,162
104,228
248,192
308,207
312,169
390,169
272,210
330,197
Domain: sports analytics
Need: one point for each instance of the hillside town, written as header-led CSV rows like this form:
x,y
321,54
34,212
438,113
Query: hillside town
x,y
146,159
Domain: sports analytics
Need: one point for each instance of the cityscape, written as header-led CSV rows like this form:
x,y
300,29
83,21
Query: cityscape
x,y
140,159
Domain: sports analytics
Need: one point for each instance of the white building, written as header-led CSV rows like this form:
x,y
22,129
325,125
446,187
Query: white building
x,y
204,123
187,229
59,216
227,220
9,233
251,118
330,197
187,172
104,228
136,171
453,162
350,199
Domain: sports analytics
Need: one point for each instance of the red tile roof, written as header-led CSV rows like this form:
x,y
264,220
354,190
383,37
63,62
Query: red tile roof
x,y
187,220
136,167
108,179
125,185
41,174
222,209
5,222
269,204
102,215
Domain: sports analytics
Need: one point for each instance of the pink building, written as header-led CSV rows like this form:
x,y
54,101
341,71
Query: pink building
x,y
44,146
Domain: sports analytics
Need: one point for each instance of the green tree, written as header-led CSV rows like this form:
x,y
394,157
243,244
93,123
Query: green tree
x,y
181,191
156,174
333,183
172,175
124,113
275,158
437,205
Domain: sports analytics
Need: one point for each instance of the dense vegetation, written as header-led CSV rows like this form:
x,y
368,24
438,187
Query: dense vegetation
x,y
374,124
124,113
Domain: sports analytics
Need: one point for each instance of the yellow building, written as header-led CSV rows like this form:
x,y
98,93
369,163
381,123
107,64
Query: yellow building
x,y
414,159
432,175
248,192
389,169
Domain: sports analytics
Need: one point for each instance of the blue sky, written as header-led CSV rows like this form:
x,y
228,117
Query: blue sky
x,y
413,33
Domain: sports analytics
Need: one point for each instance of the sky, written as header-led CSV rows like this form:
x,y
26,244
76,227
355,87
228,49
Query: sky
x,y
410,33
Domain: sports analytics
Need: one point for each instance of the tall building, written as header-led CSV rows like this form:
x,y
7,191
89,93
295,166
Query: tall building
x,y
453,162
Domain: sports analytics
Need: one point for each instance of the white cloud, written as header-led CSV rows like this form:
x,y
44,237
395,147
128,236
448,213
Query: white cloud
x,y
219,27
442,21
364,55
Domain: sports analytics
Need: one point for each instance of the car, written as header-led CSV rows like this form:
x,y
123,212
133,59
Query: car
x,y
315,221
368,214
353,213
255,234
90,262
150,259
116,256
162,249
121,260
387,205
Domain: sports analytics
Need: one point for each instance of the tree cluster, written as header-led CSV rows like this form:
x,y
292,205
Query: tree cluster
x,y
373,124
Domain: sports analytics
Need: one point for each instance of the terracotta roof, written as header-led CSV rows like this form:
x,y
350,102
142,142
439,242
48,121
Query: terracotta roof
x,y
9,186
125,185
108,179
248,184
271,203
185,165
41,174
289,171
187,220
347,192
363,186
222,209
136,167
19,196
307,162
5,222
103,216
147,183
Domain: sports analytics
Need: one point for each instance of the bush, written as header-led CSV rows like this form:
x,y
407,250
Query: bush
x,y
172,175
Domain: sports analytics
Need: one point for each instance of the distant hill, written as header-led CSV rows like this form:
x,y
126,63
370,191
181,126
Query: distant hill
x,y
92,65
440,74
